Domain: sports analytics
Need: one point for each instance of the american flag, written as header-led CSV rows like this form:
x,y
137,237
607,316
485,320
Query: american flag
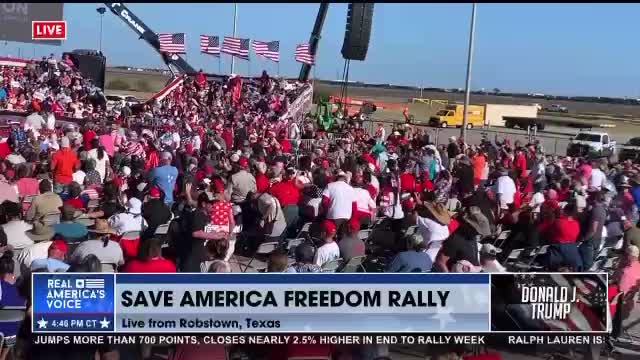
x,y
172,43
303,55
210,45
270,49
94,284
236,47
588,313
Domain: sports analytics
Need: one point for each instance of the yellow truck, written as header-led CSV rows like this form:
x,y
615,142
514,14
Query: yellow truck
x,y
452,116
492,115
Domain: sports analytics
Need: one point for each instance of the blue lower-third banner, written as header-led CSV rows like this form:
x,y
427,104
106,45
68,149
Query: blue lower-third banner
x,y
80,302
259,303
302,303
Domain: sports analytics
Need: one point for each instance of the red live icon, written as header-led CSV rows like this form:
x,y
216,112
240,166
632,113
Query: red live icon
x,y
48,30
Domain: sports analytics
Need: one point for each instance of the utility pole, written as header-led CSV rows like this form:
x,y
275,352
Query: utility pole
x,y
235,23
463,130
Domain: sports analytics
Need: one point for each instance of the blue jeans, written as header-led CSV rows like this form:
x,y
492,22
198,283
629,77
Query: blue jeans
x,y
588,252
565,255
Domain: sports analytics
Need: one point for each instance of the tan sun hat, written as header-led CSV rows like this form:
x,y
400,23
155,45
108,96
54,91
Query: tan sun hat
x,y
40,232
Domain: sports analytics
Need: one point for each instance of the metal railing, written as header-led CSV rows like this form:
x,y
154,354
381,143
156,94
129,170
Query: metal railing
x,y
552,145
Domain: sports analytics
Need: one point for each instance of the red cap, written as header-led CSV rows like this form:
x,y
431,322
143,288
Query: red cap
x,y
243,162
208,169
329,226
58,245
154,192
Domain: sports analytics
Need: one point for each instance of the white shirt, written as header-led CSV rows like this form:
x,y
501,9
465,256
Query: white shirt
x,y
294,131
326,253
101,165
79,176
536,201
39,250
393,209
126,222
196,142
33,121
51,121
341,197
506,188
16,235
597,178
432,232
364,201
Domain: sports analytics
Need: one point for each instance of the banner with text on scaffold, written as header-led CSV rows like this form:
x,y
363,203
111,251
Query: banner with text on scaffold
x,y
73,302
302,303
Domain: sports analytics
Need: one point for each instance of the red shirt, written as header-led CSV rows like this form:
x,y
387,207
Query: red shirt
x,y
154,265
563,194
227,136
520,163
64,159
87,136
5,150
285,144
220,216
564,230
75,202
425,185
407,182
286,192
262,183
201,79
27,186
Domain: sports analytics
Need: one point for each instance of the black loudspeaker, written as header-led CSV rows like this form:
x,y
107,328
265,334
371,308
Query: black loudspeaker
x,y
358,31
91,64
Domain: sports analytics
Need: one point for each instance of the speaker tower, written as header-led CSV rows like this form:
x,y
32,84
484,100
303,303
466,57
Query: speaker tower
x,y
358,31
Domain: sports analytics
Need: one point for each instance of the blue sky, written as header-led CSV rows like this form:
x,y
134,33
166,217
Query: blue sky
x,y
565,49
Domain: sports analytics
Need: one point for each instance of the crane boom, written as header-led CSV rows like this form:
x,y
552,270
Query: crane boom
x,y
175,63
314,40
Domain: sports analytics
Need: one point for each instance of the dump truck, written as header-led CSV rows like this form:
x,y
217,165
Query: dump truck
x,y
484,115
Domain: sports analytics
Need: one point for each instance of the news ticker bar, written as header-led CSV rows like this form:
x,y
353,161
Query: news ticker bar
x,y
336,339
318,303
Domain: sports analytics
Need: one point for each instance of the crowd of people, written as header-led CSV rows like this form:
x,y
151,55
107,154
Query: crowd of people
x,y
215,172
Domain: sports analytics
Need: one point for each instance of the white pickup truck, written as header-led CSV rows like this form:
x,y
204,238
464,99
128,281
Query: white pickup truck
x,y
591,143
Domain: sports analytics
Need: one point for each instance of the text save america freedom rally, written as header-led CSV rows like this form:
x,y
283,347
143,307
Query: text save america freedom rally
x,y
289,298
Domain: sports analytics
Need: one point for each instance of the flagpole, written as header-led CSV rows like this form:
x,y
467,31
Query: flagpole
x,y
219,64
278,68
472,31
235,21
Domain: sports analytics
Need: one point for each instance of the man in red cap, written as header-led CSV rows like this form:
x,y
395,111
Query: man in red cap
x,y
155,212
329,250
55,260
288,195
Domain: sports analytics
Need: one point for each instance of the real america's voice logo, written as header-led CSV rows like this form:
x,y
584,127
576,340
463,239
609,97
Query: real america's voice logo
x,y
73,302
